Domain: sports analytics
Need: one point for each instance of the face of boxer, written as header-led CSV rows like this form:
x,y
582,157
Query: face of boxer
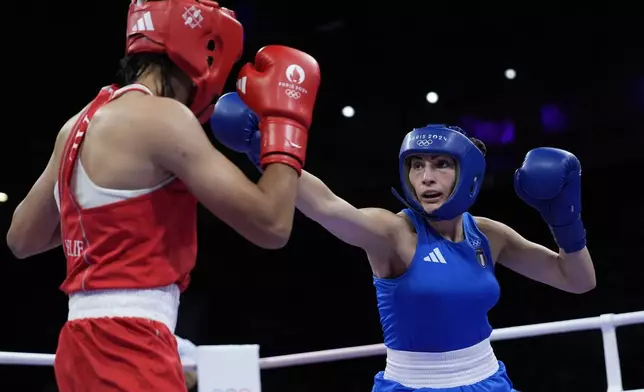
x,y
433,178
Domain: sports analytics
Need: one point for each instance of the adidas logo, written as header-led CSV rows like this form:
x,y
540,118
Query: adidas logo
x,y
144,23
435,256
241,84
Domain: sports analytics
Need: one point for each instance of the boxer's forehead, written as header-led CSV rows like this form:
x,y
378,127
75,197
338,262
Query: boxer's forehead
x,y
429,157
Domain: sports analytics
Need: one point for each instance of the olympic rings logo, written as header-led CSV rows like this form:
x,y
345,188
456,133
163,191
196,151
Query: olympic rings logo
x,y
424,142
293,94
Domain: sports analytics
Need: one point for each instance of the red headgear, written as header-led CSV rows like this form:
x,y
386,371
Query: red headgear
x,y
203,39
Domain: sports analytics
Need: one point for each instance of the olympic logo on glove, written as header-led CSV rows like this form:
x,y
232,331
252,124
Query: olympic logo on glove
x,y
293,94
424,142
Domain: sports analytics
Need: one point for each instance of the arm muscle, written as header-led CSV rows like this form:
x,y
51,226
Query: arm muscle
x,y
35,226
262,213
369,228
537,262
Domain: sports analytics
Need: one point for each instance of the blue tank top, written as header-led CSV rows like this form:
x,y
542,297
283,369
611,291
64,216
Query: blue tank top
x,y
441,302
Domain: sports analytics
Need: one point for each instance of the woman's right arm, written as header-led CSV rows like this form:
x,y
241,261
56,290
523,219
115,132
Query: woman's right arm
x,y
372,229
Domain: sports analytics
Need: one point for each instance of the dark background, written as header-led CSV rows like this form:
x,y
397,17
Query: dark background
x,y
317,293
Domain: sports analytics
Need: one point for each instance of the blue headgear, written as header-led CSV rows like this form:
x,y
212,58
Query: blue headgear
x,y
452,141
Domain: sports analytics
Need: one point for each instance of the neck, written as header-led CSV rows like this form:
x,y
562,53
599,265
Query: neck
x,y
180,88
451,230
151,81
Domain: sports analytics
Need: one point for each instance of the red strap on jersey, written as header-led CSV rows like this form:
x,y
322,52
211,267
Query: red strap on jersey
x,y
72,145
77,135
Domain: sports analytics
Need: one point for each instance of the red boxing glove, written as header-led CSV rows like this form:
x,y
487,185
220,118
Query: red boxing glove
x,y
281,87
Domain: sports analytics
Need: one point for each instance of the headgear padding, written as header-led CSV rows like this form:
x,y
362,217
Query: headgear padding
x,y
203,39
447,140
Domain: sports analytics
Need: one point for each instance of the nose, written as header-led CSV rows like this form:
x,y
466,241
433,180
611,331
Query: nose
x,y
428,176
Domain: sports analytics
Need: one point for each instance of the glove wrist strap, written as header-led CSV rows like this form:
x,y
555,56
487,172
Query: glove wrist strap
x,y
283,141
571,238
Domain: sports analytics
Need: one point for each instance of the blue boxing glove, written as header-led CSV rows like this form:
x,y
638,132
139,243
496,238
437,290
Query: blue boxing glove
x,y
550,181
236,126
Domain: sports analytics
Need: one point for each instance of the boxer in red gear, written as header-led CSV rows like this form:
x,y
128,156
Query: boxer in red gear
x,y
121,188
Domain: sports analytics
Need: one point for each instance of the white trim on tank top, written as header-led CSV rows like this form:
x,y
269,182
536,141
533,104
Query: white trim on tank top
x,y
90,195
130,87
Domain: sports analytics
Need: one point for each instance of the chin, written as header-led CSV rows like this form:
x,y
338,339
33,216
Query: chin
x,y
429,208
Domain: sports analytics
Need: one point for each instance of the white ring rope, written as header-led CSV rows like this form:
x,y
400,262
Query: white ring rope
x,y
606,322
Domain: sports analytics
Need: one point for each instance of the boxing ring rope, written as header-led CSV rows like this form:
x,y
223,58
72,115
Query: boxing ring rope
x,y
607,323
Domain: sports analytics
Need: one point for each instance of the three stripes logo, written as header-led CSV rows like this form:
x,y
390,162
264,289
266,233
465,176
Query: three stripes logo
x,y
144,23
241,84
435,256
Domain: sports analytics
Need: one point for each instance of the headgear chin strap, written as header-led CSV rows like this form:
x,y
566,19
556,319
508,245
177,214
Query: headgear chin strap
x,y
203,39
448,140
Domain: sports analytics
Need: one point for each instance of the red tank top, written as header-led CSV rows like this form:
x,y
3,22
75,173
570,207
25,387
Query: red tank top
x,y
142,242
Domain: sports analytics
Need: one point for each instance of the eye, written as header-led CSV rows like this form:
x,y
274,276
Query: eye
x,y
443,163
416,165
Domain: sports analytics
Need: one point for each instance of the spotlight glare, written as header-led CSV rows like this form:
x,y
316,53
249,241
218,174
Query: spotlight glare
x,y
348,111
432,97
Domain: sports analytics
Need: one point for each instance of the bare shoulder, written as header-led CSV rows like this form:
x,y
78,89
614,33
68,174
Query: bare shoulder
x,y
63,133
491,227
67,127
497,233
397,225
403,219
156,126
379,213
167,109
385,217
175,141
486,224
167,121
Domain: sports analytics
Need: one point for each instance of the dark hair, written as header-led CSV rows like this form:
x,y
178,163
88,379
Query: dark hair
x,y
134,66
480,145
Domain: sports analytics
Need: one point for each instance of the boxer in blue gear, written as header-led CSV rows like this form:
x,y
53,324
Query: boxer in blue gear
x,y
433,263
